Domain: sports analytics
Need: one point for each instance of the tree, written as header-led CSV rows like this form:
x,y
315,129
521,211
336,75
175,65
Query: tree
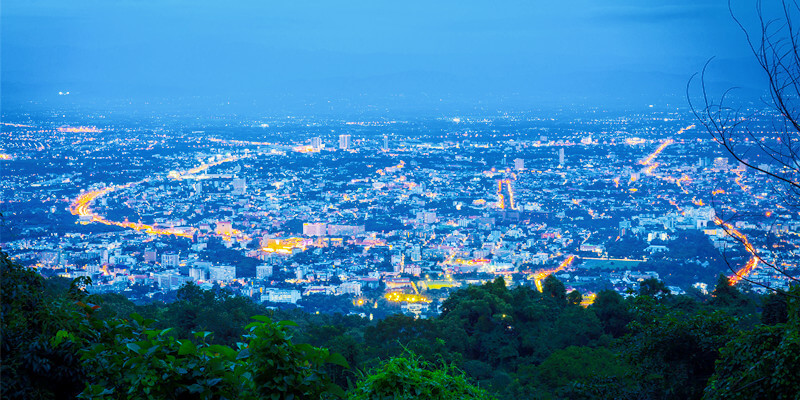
x,y
133,361
409,378
579,365
759,364
574,298
725,295
775,309
552,288
34,364
762,362
765,141
613,313
674,353
653,287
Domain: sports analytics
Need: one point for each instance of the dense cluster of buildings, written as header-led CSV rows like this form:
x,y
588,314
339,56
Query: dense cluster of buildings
x,y
357,210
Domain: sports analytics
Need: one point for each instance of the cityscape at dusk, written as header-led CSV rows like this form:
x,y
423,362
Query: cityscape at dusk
x,y
369,200
372,210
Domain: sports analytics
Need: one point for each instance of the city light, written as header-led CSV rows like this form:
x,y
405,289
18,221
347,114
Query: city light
x,y
539,276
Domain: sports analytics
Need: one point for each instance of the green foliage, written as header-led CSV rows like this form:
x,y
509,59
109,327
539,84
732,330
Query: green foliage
x,y
775,309
553,289
133,361
41,333
653,287
612,312
760,364
674,352
409,378
577,326
579,365
213,310
280,369
574,298
517,343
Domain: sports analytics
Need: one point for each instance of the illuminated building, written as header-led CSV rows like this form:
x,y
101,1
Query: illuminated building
x,y
427,217
316,143
386,142
170,260
398,261
263,271
281,295
413,270
353,288
197,274
624,227
721,163
169,280
561,157
239,186
223,273
519,164
345,230
344,142
150,255
315,229
224,228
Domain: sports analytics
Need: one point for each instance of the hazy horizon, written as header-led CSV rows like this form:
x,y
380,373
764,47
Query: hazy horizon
x,y
364,56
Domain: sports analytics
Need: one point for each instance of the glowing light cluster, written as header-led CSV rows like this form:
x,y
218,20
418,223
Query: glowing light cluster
x,y
658,151
15,125
203,167
305,149
501,203
79,129
588,299
81,207
398,297
240,142
752,263
738,181
472,262
4,156
539,276
286,245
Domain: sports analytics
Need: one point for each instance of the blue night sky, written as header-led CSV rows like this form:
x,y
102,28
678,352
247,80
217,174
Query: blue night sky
x,y
363,52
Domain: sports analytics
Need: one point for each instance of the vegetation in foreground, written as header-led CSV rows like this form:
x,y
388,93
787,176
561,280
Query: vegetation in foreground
x,y
490,341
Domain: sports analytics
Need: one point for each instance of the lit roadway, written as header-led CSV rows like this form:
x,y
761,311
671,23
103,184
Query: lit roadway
x,y
539,276
82,205
752,263
754,260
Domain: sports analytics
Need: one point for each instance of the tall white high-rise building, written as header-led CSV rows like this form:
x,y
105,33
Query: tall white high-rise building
x,y
386,142
561,156
170,260
316,143
519,164
344,142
